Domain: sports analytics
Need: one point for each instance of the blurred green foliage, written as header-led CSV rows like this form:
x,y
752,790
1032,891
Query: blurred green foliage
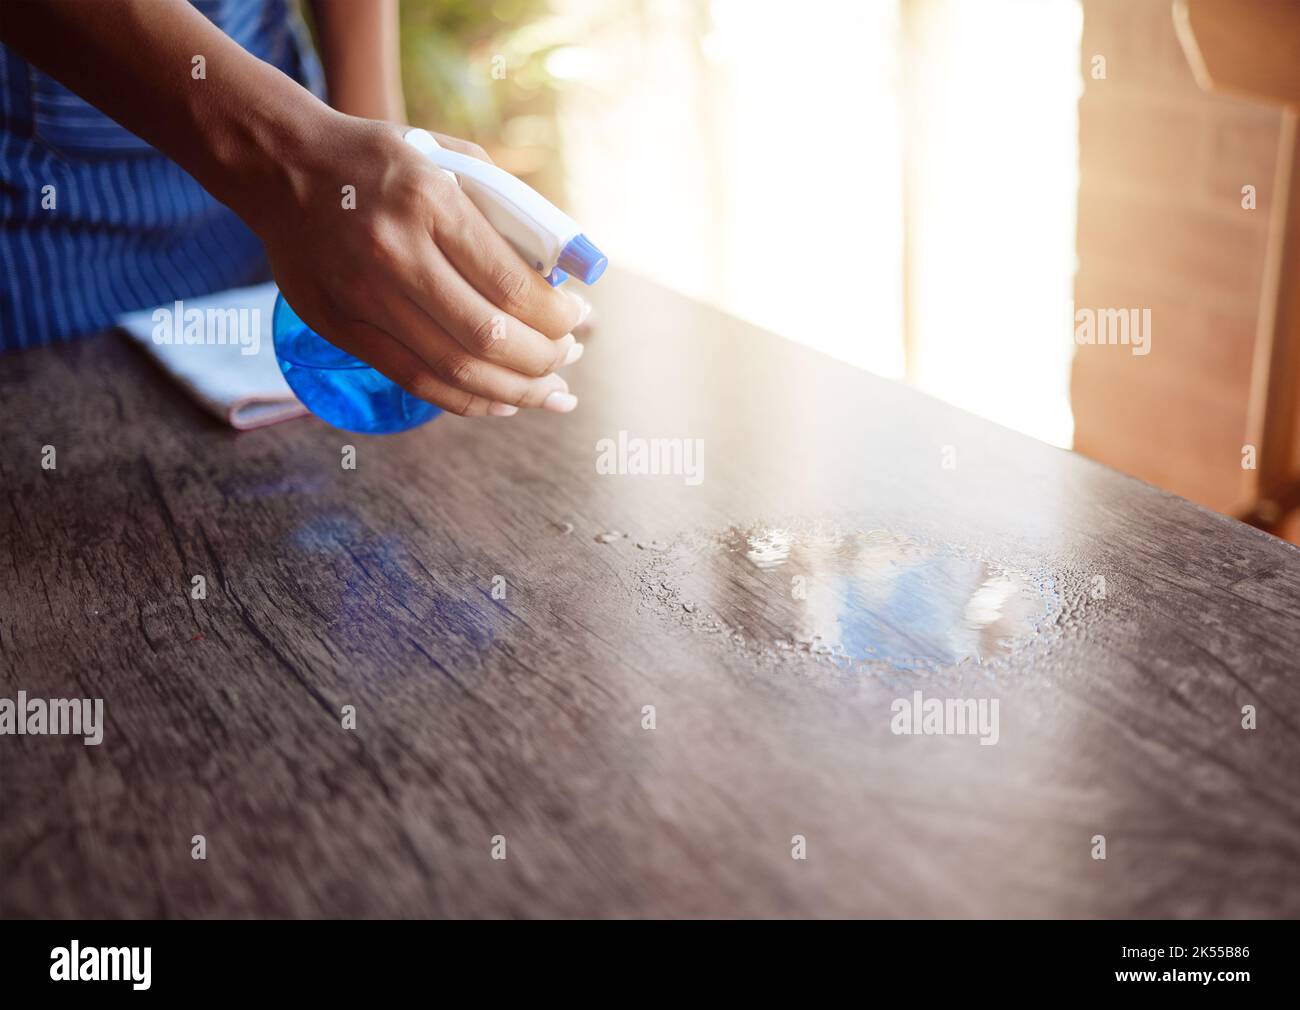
x,y
450,49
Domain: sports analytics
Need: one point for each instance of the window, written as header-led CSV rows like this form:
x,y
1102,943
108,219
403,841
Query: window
x,y
891,182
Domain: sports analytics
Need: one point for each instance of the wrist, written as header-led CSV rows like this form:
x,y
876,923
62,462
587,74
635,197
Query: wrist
x,y
258,144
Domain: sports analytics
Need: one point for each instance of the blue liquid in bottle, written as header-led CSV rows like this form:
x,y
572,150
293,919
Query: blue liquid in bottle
x,y
339,388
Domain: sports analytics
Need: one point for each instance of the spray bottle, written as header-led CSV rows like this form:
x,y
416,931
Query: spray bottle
x,y
346,392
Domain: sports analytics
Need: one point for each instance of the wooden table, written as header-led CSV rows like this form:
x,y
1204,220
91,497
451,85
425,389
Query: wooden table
x,y
482,719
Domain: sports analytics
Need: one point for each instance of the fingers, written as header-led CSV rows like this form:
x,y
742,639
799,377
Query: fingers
x,y
453,364
394,360
429,364
481,328
489,263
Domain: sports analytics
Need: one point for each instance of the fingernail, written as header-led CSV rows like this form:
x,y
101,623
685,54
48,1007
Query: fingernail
x,y
559,402
584,307
575,352
502,409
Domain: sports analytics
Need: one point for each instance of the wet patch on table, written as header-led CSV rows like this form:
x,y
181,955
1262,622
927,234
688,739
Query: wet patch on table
x,y
861,600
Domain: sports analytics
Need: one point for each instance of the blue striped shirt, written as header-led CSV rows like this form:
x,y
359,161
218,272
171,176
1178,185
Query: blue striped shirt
x,y
93,221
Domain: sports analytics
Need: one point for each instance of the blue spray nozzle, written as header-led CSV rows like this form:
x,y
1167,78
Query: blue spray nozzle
x,y
582,259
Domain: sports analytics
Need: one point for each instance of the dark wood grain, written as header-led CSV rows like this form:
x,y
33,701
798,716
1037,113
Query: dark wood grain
x,y
522,716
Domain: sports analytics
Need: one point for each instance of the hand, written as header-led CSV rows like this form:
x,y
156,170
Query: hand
x,y
413,279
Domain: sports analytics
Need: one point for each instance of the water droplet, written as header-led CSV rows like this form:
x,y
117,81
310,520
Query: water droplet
x,y
869,600
608,537
564,528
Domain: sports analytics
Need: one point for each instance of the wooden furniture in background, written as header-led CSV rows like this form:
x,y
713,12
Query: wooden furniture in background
x,y
1162,226
1252,48
522,716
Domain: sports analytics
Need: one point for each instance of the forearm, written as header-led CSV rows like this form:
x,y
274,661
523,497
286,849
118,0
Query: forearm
x,y
232,126
359,50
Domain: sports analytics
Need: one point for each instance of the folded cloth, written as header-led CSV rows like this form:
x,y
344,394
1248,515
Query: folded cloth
x,y
218,347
